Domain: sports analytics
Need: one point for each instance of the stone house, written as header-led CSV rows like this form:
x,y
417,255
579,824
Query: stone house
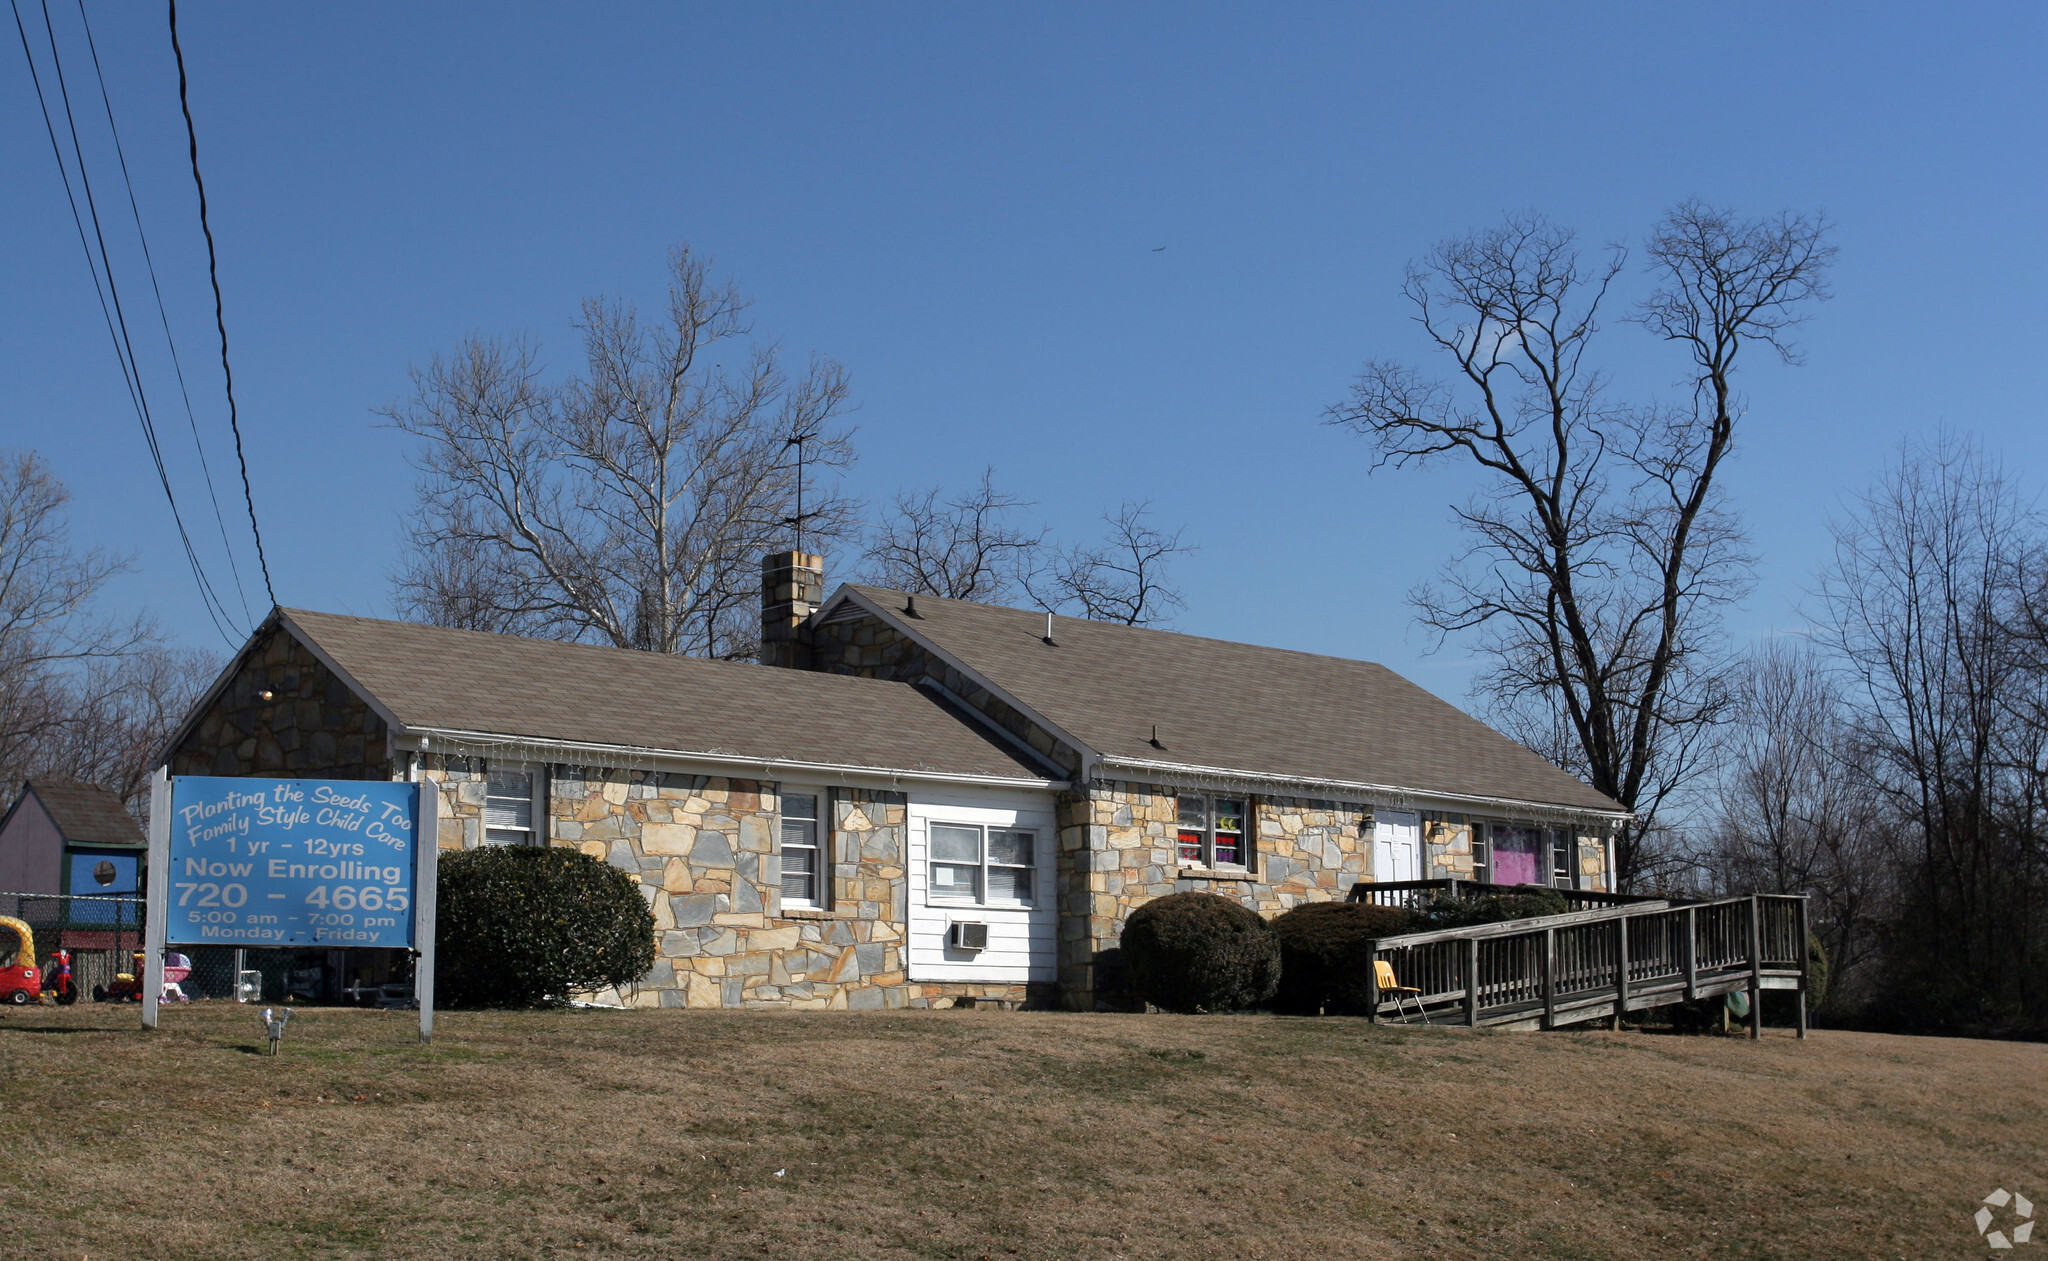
x,y
911,801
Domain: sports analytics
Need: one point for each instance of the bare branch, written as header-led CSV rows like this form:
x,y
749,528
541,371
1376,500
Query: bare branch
x,y
629,505
1601,548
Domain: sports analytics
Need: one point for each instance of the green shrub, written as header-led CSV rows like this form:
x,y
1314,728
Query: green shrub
x,y
525,926
1194,952
1520,902
1325,956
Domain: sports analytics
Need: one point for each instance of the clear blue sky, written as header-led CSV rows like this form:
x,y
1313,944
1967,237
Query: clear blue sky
x,y
964,205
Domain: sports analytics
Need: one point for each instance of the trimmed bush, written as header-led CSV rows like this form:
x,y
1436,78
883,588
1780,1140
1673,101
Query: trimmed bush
x,y
1197,952
1325,965
1516,902
526,926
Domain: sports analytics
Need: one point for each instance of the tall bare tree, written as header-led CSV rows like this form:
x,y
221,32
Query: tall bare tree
x,y
629,504
1927,608
122,712
965,548
1124,578
1793,810
51,633
1601,547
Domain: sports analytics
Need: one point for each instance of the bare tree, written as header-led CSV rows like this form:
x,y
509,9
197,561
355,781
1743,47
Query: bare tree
x,y
1926,608
50,632
121,714
1792,810
1601,545
1124,578
628,505
965,548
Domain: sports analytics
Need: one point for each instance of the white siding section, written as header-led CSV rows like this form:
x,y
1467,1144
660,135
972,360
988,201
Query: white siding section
x,y
1022,941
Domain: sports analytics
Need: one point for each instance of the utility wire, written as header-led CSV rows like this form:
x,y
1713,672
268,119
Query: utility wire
x,y
219,317
177,365
163,316
122,348
217,609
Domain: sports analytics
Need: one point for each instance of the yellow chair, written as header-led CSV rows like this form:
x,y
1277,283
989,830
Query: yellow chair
x,y
1383,973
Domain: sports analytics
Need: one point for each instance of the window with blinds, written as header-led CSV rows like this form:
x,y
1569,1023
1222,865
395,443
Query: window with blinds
x,y
509,812
988,866
802,870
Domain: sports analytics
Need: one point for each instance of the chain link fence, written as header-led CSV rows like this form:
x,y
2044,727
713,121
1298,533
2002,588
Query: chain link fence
x,y
103,935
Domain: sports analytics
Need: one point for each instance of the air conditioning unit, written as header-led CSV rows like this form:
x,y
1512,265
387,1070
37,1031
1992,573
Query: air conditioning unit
x,y
967,936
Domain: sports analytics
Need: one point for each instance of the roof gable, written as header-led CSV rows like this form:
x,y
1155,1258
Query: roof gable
x,y
1232,707
85,814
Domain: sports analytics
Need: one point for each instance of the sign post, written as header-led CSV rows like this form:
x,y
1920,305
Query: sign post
x,y
425,894
290,862
153,903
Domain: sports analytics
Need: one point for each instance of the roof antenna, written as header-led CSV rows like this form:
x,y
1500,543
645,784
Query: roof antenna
x,y
1048,627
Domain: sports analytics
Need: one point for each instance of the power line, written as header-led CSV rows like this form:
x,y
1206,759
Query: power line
x,y
177,365
219,317
123,348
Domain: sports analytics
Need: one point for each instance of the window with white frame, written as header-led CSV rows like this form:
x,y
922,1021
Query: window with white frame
x,y
1562,873
985,866
803,870
1212,831
1482,854
512,810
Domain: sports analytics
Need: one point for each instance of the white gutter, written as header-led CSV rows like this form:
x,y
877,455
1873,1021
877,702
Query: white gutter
x,y
1183,771
766,768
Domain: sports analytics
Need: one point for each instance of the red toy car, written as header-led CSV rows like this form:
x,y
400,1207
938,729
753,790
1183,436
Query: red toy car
x,y
19,982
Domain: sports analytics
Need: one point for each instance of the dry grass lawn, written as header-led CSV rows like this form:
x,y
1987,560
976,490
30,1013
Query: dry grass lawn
x,y
992,1135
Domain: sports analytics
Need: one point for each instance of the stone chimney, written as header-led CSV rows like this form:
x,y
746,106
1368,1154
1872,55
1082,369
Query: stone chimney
x,y
792,588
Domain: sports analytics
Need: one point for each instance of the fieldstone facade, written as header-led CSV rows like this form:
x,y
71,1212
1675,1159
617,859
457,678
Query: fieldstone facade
x,y
310,722
703,851
1118,850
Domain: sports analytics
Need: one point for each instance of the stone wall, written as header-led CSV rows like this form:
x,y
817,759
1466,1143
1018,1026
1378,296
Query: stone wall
x,y
703,851
1118,851
311,724
1446,847
871,648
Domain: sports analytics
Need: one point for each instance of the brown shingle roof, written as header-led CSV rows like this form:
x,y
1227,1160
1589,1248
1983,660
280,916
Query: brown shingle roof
x,y
86,814
1238,707
433,677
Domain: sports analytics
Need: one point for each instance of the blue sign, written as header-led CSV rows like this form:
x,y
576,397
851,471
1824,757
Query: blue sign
x,y
291,862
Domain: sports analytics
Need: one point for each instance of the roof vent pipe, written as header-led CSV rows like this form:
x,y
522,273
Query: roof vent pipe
x,y
1048,628
910,607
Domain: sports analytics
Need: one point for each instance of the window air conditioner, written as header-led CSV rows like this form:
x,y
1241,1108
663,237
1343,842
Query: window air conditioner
x,y
967,936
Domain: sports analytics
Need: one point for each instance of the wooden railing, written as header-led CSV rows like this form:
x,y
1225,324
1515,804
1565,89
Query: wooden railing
x,y
1600,962
1408,893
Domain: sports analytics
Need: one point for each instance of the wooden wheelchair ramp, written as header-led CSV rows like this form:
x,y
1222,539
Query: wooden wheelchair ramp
x,y
1558,970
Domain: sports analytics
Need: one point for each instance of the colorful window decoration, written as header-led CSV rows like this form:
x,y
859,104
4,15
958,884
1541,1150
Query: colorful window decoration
x,y
1212,831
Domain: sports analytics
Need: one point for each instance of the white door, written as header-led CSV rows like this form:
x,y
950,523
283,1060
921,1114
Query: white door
x,y
1396,845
